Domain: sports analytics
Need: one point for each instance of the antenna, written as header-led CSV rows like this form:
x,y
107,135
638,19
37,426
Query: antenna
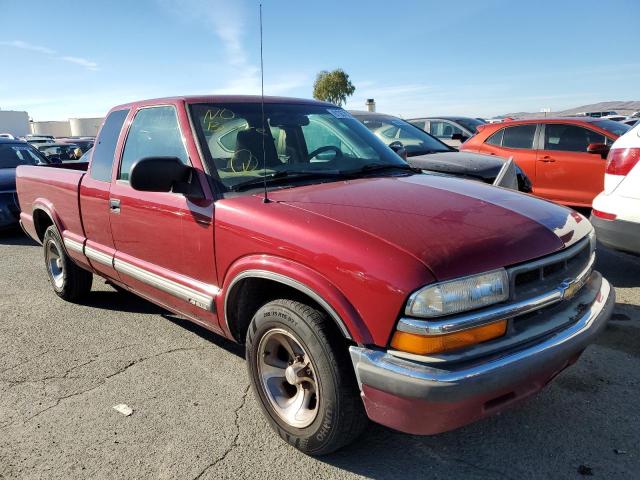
x,y
264,130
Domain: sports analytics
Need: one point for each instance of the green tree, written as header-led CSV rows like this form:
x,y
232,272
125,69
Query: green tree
x,y
333,87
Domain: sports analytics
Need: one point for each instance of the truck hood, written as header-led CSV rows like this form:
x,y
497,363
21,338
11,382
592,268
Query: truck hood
x,y
455,227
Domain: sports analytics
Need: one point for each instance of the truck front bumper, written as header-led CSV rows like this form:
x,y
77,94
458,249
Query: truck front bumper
x,y
426,399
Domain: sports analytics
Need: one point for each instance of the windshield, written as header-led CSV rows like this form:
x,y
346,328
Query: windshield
x,y
616,128
14,154
302,140
470,124
392,129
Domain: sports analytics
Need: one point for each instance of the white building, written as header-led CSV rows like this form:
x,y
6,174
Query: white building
x,y
76,127
85,127
14,122
57,128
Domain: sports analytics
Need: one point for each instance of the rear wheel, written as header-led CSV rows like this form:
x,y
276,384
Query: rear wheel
x,y
69,281
301,372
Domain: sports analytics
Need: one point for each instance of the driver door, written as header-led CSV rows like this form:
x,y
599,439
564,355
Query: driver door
x,y
164,240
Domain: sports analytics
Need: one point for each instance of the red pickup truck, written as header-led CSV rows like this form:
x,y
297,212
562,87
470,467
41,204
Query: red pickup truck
x,y
361,287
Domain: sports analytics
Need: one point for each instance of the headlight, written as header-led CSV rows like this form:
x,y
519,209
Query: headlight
x,y
459,295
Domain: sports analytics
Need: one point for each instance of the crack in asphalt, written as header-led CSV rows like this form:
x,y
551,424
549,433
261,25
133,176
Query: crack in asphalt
x,y
234,443
28,360
104,381
95,357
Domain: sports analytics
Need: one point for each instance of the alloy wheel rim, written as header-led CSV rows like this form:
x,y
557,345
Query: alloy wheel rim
x,y
55,265
288,378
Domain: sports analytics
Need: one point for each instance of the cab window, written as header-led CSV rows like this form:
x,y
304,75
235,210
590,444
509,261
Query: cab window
x,y
103,152
153,133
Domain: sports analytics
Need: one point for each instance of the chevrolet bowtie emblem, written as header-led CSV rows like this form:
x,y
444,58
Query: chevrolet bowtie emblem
x,y
570,287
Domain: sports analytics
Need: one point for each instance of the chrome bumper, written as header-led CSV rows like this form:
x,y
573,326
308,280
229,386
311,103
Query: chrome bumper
x,y
413,379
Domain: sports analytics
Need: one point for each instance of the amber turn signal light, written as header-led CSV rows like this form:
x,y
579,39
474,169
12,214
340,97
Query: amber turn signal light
x,y
423,345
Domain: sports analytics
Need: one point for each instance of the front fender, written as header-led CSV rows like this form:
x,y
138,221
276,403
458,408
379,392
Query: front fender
x,y
303,279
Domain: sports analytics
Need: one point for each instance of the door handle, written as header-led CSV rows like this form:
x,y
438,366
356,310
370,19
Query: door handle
x,y
547,159
114,205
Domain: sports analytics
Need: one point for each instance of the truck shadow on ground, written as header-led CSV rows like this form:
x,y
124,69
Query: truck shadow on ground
x,y
214,338
623,330
621,269
121,301
15,237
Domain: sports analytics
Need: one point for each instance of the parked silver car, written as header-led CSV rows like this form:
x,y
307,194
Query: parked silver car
x,y
453,131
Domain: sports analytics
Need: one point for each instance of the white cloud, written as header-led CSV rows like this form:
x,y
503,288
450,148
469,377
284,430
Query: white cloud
x,y
88,64
28,46
227,19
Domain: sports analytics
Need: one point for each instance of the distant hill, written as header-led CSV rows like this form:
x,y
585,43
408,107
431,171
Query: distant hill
x,y
623,108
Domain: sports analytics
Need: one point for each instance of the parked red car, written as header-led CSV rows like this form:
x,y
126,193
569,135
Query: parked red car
x,y
360,286
564,157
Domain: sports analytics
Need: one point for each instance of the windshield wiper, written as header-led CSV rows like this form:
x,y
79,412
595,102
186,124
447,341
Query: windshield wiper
x,y
286,175
379,167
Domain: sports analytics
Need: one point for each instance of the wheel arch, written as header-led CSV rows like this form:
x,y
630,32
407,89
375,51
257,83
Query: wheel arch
x,y
249,288
43,218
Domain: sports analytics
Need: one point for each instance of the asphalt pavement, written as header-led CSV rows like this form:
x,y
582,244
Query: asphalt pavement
x,y
63,367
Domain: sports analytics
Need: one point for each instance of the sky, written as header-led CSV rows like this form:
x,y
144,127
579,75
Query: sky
x,y
416,58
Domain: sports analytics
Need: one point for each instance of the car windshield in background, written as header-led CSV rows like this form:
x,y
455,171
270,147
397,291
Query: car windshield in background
x,y
301,141
616,128
391,129
470,124
14,154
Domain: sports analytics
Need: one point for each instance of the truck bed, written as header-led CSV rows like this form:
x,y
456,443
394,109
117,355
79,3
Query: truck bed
x,y
55,189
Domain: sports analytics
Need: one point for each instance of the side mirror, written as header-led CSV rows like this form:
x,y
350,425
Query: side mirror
x,y
54,160
459,136
160,174
599,149
398,147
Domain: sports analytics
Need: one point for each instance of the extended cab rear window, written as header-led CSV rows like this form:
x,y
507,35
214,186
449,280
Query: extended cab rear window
x,y
105,147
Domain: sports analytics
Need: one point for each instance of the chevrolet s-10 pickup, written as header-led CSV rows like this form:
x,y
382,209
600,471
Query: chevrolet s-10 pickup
x,y
361,288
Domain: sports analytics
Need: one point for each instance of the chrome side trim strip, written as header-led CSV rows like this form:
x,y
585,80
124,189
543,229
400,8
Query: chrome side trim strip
x,y
488,315
169,286
99,257
74,246
276,277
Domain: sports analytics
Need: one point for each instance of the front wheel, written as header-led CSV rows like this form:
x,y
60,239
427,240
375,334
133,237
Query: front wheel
x,y
302,375
69,281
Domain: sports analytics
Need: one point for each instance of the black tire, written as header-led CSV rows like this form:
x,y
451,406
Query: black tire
x,y
340,417
69,281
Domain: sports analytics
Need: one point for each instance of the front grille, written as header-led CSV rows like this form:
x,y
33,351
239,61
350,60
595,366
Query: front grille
x,y
543,275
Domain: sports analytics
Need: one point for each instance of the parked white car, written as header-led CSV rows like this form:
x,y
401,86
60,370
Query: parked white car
x,y
616,211
615,118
